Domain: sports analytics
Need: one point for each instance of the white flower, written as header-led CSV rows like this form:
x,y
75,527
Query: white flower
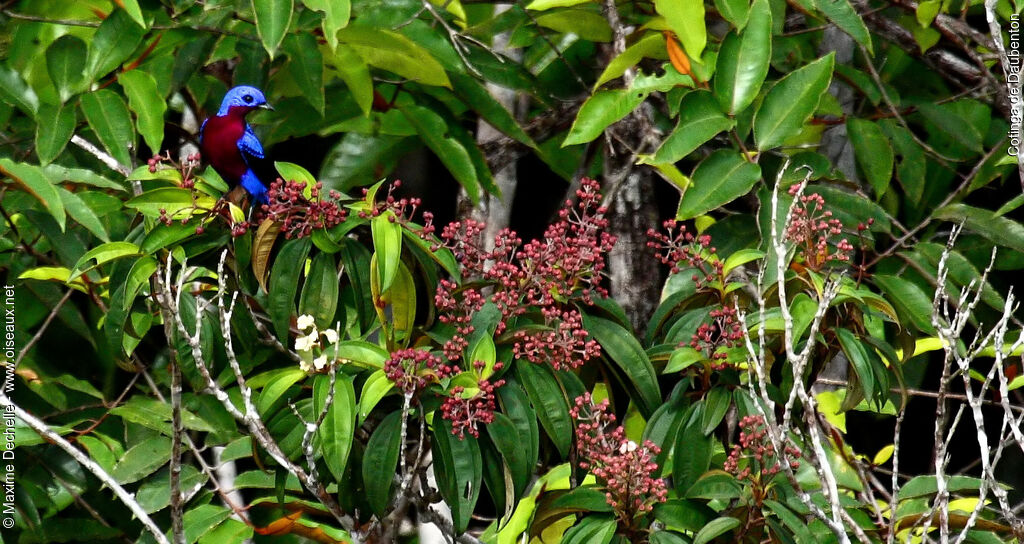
x,y
627,446
305,343
320,362
331,335
305,366
304,322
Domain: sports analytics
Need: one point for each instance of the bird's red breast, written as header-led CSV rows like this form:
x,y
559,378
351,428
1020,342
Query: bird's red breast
x,y
220,145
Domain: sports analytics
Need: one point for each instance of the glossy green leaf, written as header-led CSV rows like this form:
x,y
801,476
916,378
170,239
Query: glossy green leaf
x,y
82,213
541,5
381,460
691,456
115,39
16,92
686,19
515,404
700,119
394,52
477,97
338,428
55,128
843,14
108,117
459,471
913,305
142,459
434,132
284,284
1001,231
279,382
374,389
743,61
716,404
586,24
148,104
352,69
790,102
629,356
34,181
508,441
306,66
600,111
387,246
155,492
319,297
178,203
734,11
719,179
714,529
363,353
547,397
65,62
857,354
652,45
874,153
591,530
952,122
336,17
273,17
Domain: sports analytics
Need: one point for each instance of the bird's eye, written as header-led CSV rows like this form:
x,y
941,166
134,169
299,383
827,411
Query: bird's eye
x,y
247,98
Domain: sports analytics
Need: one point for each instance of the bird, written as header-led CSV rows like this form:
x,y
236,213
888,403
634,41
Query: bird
x,y
227,141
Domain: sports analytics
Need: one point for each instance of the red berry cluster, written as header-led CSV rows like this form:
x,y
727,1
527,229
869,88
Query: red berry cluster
x,y
812,227
544,274
755,447
723,331
621,466
402,208
683,249
466,413
300,215
412,370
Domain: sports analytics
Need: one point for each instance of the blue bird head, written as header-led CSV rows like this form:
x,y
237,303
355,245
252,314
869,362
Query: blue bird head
x,y
243,96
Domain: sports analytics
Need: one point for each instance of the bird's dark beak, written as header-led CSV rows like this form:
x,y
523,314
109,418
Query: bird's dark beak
x,y
266,106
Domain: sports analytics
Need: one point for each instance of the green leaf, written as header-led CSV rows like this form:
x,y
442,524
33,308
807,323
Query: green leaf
x,y
394,52
142,459
108,117
82,213
586,24
387,247
541,5
743,61
134,11
716,404
34,181
338,428
155,493
547,397
352,69
273,17
910,301
434,132
477,97
202,519
700,119
734,11
683,515
15,91
925,485
284,283
842,13
176,201
790,102
148,104
719,179
714,529
691,456
459,470
874,153
115,39
306,65
600,111
509,442
591,530
857,354
65,61
380,461
1001,231
374,389
319,296
950,121
293,172
336,17
515,404
652,45
277,384
102,254
363,353
686,19
56,125
627,353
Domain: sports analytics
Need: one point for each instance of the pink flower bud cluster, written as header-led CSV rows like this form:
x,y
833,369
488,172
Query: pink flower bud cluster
x,y
402,208
724,331
812,227
412,370
621,466
683,249
542,275
300,215
466,413
761,461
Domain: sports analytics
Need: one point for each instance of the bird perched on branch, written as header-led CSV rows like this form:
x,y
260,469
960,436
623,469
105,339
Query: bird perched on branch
x,y
232,148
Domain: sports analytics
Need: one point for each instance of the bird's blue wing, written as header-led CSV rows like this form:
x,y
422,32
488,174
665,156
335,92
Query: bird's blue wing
x,y
250,145
202,129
